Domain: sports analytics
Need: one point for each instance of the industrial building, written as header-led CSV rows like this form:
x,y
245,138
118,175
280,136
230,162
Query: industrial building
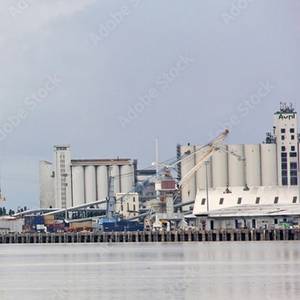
x,y
250,217
67,182
127,205
246,174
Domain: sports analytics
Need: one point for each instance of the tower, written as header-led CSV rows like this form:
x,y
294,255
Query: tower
x,y
62,176
286,134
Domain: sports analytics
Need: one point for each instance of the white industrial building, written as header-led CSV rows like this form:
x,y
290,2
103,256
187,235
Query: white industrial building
x,y
66,182
247,174
251,217
127,204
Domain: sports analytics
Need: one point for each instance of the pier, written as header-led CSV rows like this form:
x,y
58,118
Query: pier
x,y
152,237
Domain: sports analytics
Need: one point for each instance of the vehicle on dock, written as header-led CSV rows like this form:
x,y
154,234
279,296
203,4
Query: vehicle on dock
x,y
118,225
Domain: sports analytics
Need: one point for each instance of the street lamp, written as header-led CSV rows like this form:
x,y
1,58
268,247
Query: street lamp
x,y
206,174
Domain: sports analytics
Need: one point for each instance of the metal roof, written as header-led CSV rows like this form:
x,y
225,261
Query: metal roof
x,y
256,211
101,162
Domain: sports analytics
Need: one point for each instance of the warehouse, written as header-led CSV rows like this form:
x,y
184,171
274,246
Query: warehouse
x,y
251,217
71,182
247,174
10,224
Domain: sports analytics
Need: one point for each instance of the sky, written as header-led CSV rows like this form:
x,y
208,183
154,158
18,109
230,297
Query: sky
x,y
109,76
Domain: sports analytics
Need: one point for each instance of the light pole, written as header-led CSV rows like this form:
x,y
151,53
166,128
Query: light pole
x,y
298,180
206,174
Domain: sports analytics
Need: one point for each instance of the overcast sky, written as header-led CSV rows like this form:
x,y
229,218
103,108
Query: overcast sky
x,y
108,76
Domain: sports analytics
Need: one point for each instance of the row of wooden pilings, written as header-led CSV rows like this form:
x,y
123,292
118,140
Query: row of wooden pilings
x,y
147,236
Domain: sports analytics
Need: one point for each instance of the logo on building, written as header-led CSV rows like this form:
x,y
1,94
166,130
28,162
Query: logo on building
x,y
287,116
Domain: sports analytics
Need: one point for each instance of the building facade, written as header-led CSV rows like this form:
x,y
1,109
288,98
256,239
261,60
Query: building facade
x,y
67,182
246,173
127,205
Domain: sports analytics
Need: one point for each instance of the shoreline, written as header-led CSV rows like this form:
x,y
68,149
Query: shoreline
x,y
152,236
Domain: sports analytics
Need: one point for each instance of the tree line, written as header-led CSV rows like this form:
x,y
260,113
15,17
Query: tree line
x,y
10,212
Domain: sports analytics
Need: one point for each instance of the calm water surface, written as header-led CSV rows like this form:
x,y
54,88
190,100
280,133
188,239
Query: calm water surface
x,y
243,271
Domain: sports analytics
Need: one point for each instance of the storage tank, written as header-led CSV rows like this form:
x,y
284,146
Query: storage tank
x,y
269,165
253,166
127,178
90,184
102,182
189,187
47,195
236,166
78,185
220,169
115,173
201,173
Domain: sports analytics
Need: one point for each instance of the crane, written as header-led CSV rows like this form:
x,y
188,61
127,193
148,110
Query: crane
x,y
207,151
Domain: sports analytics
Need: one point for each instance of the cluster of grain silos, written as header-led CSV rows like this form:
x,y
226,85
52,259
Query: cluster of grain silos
x,y
240,165
90,180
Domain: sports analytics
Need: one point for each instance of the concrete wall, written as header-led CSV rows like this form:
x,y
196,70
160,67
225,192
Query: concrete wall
x,y
263,222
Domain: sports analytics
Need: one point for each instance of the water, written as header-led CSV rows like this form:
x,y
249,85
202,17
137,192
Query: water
x,y
263,270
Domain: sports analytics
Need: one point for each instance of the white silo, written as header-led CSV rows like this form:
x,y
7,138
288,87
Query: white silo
x,y
102,182
253,165
47,195
115,173
90,184
269,164
78,185
189,188
201,173
127,178
236,165
220,169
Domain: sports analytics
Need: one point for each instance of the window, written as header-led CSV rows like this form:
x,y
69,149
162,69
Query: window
x,y
275,221
293,148
293,154
257,200
282,137
295,199
283,149
284,154
239,202
293,166
284,181
276,200
221,201
292,130
282,130
203,201
284,173
292,137
294,173
284,166
133,207
294,181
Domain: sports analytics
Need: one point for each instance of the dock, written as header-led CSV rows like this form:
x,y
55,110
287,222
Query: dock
x,y
152,236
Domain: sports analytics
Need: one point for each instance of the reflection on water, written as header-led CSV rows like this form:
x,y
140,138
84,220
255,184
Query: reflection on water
x,y
263,270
